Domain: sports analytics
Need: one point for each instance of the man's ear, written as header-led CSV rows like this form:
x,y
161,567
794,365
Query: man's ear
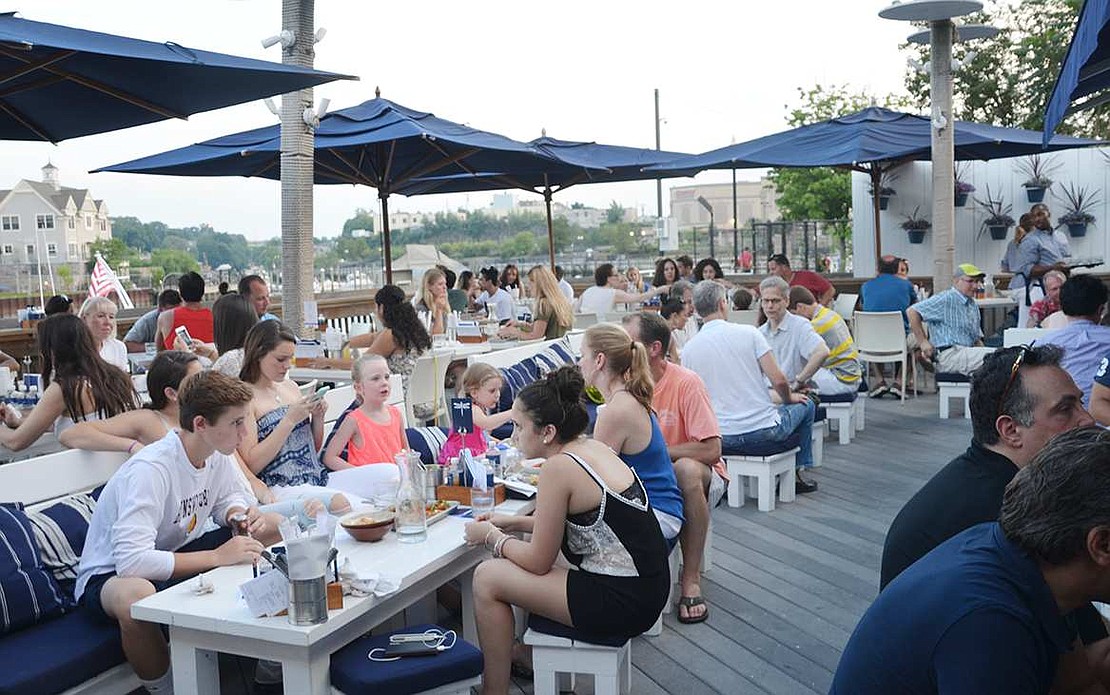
x,y
1098,545
1008,432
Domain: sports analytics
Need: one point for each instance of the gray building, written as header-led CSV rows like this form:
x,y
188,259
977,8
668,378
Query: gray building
x,y
754,200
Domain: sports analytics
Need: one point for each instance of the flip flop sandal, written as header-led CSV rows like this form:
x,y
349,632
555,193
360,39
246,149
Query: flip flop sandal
x,y
521,671
689,602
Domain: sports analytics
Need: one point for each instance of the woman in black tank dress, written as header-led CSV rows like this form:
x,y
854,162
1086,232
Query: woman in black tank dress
x,y
590,505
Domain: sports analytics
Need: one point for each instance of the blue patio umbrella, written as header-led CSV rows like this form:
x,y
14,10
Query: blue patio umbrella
x,y
59,82
378,143
575,163
871,141
1085,73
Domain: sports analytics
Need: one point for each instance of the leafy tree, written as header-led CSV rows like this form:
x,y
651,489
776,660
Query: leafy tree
x,y
521,244
65,274
615,213
114,252
1010,78
362,219
173,261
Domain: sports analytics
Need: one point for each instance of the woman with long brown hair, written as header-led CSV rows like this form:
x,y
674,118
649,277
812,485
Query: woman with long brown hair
x,y
77,385
618,366
552,313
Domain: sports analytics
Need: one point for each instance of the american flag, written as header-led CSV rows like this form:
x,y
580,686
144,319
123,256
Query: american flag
x,y
104,282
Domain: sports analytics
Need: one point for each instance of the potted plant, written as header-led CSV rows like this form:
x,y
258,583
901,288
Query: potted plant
x,y
998,220
1037,171
916,226
885,189
962,188
1079,200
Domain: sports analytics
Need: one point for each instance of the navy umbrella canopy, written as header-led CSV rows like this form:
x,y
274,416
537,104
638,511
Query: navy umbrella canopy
x,y
870,141
378,143
1085,72
59,82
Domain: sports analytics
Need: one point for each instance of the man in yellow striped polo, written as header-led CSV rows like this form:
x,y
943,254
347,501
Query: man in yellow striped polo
x,y
840,372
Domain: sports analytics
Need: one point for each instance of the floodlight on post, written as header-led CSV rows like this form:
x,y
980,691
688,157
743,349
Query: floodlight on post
x,y
705,204
273,107
312,117
285,37
941,34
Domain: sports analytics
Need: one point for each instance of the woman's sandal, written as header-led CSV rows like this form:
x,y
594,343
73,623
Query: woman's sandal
x,y
689,602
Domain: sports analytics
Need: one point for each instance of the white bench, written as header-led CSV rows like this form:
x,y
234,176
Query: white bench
x,y
38,483
764,470
510,356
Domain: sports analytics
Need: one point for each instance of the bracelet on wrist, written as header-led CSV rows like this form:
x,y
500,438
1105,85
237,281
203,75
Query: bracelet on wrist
x,y
134,443
499,547
485,541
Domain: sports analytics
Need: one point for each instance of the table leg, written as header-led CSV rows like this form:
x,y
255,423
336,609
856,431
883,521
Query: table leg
x,y
308,676
466,589
195,669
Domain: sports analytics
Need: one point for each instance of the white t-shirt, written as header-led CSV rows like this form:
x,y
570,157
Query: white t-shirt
x,y
152,506
230,363
726,357
503,306
566,289
114,351
792,342
597,300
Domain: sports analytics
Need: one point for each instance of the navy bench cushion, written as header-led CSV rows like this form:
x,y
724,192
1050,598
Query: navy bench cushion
x,y
60,531
550,627
955,377
352,672
58,654
838,398
28,593
768,448
820,415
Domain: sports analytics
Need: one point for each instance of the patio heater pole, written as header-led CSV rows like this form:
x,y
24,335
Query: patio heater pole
x,y
296,171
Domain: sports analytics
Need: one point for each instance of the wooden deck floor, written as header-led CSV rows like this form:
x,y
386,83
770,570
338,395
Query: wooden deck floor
x,y
787,587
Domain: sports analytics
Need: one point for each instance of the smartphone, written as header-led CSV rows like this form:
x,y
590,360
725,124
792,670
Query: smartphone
x,y
183,333
410,649
320,393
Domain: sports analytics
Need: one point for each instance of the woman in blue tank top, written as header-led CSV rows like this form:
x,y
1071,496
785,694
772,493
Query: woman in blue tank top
x,y
618,367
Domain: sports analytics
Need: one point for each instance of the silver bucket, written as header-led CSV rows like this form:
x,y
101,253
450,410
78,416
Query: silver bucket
x,y
308,601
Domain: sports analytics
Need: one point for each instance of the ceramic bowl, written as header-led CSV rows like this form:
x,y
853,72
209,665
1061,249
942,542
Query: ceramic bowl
x,y
367,526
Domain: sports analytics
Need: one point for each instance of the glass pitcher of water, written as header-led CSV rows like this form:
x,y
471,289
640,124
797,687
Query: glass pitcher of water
x,y
411,521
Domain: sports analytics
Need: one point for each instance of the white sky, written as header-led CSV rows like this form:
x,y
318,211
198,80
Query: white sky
x,y
582,70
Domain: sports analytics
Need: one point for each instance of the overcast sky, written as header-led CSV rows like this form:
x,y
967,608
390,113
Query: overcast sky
x,y
583,70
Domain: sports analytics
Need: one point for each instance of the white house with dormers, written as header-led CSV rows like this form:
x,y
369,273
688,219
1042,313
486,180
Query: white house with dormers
x,y
46,222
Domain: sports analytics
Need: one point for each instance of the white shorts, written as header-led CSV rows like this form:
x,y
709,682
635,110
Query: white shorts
x,y
718,486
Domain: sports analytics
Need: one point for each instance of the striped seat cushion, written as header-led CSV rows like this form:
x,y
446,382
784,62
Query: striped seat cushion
x,y
60,533
28,593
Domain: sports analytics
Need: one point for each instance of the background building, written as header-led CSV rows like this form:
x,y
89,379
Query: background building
x,y
755,200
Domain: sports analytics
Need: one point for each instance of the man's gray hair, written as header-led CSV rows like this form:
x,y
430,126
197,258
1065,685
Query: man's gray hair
x,y
707,297
679,287
1055,274
774,282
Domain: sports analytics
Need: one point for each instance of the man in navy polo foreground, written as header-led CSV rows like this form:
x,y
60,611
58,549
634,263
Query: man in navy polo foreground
x,y
984,611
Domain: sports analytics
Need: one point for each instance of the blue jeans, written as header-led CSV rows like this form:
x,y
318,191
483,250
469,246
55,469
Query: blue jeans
x,y
796,418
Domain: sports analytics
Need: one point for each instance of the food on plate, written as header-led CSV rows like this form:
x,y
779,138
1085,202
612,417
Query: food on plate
x,y
436,507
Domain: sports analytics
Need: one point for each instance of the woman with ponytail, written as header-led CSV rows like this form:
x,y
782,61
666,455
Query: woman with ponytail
x,y
618,367
591,506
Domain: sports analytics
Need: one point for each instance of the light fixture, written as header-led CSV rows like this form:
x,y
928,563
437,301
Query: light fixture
x,y
312,117
319,35
916,65
285,37
271,106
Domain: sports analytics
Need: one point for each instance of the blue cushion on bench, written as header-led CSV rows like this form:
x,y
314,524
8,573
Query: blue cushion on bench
x,y
60,531
953,377
555,629
426,441
768,448
58,654
838,398
28,593
352,672
820,414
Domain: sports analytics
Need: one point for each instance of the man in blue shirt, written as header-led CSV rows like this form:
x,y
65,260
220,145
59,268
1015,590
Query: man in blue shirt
x,y
955,337
984,611
888,292
1083,300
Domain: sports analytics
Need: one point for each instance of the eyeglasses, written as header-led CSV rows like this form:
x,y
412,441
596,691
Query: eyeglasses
x,y
1022,351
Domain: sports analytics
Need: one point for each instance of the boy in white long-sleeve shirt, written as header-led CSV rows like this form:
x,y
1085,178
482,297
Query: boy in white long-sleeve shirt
x,y
156,504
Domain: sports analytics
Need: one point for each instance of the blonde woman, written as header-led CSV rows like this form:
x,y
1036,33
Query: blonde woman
x,y
99,314
432,299
552,313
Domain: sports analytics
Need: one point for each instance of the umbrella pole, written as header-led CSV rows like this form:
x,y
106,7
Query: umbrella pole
x,y
387,251
876,181
550,228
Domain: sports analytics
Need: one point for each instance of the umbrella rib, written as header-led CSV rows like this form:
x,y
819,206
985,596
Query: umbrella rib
x,y
355,176
27,123
99,87
31,66
27,86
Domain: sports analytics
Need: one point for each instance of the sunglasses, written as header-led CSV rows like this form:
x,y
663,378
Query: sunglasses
x,y
1023,350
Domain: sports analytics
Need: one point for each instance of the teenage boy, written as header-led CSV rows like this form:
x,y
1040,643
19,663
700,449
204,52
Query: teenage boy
x,y
153,509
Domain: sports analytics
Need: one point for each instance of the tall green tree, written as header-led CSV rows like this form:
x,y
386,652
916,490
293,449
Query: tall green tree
x,y
1009,78
615,213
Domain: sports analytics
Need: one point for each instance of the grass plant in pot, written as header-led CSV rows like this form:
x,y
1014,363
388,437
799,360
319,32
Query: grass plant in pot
x,y
885,189
916,226
962,188
998,221
1078,201
1038,175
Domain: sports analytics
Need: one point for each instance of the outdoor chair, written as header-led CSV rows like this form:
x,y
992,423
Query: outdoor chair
x,y
450,672
426,386
881,337
845,305
841,409
763,464
1013,337
953,385
747,317
585,320
558,650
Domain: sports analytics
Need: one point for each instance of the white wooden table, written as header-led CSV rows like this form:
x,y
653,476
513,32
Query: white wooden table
x,y
202,626
993,311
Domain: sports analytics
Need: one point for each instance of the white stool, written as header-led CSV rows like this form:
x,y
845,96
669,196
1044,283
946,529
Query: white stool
x,y
954,389
860,414
611,667
765,469
841,414
819,442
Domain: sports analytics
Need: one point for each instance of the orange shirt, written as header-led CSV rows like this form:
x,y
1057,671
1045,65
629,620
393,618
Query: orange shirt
x,y
380,443
685,413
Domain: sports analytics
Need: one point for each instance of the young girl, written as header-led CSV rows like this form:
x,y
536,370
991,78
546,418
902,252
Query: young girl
x,y
482,384
374,431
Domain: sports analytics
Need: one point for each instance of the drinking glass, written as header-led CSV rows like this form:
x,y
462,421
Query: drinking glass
x,y
482,501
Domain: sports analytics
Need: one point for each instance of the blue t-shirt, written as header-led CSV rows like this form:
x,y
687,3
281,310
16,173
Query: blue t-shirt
x,y
973,616
886,292
656,472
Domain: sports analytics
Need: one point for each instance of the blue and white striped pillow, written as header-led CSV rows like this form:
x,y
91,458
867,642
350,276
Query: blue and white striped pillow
x,y
28,593
60,531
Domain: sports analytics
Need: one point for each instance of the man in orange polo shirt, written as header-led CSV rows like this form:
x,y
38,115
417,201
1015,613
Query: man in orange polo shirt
x,y
689,426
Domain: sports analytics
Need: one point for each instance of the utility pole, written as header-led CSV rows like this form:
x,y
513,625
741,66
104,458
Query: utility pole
x,y
659,181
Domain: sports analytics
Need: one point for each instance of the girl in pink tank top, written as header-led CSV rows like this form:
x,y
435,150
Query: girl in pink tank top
x,y
374,432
